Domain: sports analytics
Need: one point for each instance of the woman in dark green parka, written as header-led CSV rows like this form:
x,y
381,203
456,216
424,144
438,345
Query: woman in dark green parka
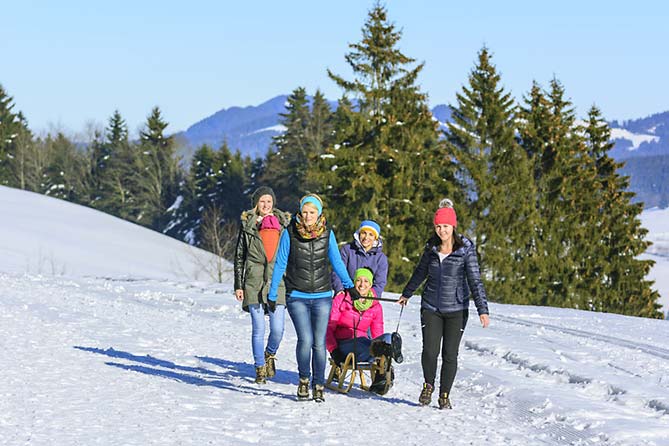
x,y
258,239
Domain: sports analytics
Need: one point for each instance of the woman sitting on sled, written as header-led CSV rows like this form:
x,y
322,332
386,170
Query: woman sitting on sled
x,y
352,321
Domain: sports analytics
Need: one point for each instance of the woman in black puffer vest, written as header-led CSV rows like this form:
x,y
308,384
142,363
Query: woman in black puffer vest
x,y
307,252
450,265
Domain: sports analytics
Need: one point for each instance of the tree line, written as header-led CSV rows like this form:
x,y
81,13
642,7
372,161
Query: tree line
x,y
549,210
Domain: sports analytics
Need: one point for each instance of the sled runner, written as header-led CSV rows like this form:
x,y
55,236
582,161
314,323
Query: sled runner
x,y
374,376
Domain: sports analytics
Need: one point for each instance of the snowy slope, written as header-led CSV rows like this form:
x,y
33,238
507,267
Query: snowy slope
x,y
657,223
99,359
43,235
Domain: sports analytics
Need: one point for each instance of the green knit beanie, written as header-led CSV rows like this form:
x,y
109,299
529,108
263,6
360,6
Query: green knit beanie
x,y
364,272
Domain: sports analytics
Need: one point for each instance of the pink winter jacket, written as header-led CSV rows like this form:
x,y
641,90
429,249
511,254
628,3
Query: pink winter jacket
x,y
344,319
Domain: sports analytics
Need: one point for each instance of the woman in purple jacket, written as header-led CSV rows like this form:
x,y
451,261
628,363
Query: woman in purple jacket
x,y
450,265
364,251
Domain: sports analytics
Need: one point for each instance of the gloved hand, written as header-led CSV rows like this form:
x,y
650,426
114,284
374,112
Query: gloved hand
x,y
355,295
271,305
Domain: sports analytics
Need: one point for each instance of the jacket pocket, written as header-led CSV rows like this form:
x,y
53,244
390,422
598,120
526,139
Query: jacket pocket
x,y
459,295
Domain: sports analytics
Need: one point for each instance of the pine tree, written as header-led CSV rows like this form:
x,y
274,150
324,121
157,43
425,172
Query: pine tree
x,y
113,171
254,170
198,193
14,143
158,176
385,161
617,281
319,125
287,163
497,176
65,176
566,187
217,183
27,163
230,192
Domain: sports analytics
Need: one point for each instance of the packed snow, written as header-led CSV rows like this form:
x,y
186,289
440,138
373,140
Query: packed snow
x,y
130,350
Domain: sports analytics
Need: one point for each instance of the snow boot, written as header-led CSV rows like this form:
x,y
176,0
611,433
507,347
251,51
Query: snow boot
x,y
444,402
303,389
425,397
261,375
379,348
318,393
270,364
396,345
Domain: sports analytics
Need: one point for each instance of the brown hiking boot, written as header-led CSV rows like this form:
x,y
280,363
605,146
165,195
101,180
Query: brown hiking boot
x,y
270,364
444,402
303,389
318,393
261,375
425,397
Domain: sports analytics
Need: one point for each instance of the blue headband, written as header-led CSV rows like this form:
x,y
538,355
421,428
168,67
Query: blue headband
x,y
312,200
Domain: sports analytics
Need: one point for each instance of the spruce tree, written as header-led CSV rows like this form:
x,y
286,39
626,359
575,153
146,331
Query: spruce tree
x,y
566,187
198,191
616,281
287,162
497,176
27,163
113,171
319,125
385,161
217,181
65,176
158,176
15,139
230,191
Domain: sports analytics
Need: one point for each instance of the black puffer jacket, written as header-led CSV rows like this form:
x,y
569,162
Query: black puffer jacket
x,y
308,268
449,283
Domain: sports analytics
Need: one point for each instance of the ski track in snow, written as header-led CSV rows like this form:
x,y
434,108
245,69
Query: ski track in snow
x,y
649,349
98,361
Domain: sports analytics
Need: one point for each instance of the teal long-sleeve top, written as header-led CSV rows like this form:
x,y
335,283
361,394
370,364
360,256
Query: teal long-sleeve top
x,y
282,261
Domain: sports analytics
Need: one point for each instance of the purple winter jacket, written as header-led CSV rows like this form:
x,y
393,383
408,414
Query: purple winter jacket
x,y
355,256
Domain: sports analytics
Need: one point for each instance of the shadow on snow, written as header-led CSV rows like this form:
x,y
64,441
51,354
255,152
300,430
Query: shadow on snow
x,y
229,379
236,376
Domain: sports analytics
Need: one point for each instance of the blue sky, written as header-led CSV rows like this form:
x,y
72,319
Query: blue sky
x,y
71,62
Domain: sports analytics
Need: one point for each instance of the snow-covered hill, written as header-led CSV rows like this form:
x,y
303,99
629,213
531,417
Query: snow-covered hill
x,y
90,357
657,223
43,235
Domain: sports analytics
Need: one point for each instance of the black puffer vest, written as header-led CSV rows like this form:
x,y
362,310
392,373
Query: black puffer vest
x,y
308,268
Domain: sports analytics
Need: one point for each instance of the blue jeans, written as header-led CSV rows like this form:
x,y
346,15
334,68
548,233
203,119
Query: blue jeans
x,y
276,325
310,318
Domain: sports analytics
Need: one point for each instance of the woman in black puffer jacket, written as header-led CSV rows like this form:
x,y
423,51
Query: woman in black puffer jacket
x,y
450,265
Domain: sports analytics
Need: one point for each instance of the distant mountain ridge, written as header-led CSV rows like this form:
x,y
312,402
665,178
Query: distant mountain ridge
x,y
251,129
247,129
641,137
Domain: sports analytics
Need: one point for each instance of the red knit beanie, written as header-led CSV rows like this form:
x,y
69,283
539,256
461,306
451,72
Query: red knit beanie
x,y
445,216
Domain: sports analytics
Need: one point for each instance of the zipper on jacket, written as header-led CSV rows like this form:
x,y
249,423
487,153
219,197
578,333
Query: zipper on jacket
x,y
441,276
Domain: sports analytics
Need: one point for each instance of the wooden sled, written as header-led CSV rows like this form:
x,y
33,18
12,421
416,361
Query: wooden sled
x,y
350,370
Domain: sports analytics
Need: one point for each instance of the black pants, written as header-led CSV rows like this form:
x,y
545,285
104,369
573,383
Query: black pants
x,y
438,327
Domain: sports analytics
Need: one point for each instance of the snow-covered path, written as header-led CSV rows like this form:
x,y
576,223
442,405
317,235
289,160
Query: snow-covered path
x,y
99,361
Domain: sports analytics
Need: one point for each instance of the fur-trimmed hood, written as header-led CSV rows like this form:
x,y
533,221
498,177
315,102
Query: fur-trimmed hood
x,y
250,215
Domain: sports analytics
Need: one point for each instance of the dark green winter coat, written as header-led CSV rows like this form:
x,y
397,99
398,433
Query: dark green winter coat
x,y
253,273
